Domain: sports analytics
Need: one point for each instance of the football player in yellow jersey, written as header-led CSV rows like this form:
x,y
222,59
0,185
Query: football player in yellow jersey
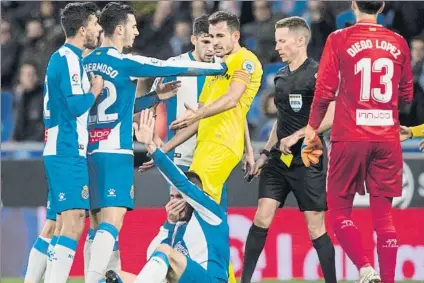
x,y
220,121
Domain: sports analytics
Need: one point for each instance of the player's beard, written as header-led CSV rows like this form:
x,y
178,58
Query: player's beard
x,y
91,42
186,214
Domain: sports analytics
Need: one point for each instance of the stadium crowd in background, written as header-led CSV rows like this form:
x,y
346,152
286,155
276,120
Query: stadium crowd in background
x,y
30,32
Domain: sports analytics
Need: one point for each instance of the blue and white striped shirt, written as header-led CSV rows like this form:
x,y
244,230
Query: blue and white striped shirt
x,y
66,103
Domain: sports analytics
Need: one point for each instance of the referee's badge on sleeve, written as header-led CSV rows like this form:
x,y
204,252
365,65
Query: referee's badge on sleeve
x,y
295,102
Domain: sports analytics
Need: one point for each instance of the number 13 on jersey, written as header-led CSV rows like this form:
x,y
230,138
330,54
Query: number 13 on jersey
x,y
367,69
107,99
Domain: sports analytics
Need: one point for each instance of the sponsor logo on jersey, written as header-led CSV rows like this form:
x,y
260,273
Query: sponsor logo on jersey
x,y
295,102
248,66
99,135
84,192
46,135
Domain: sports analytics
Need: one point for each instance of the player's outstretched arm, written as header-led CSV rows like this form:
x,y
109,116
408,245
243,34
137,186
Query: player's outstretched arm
x,y
140,66
203,204
224,103
162,91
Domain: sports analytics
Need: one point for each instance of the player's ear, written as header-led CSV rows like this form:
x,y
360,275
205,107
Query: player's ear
x,y
193,40
82,31
119,29
236,35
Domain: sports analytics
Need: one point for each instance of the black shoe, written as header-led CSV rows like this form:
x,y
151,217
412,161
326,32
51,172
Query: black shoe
x,y
113,277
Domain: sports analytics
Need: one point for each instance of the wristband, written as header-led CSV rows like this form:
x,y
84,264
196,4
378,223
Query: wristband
x,y
264,152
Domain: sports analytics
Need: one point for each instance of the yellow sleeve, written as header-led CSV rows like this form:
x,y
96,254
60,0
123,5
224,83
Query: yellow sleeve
x,y
205,91
244,66
417,131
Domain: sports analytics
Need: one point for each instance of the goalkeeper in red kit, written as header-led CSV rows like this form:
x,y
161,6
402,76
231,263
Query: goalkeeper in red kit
x,y
366,69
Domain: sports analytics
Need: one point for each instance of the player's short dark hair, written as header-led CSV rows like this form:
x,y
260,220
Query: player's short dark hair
x,y
295,24
75,15
232,20
201,25
114,14
369,7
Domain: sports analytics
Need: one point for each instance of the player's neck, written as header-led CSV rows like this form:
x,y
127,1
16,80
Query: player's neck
x,y
236,48
366,18
109,42
297,62
195,56
75,42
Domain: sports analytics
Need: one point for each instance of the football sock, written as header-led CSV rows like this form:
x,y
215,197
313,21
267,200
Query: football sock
x,y
155,269
50,256
254,245
63,260
37,261
327,257
101,251
350,239
87,248
387,245
115,260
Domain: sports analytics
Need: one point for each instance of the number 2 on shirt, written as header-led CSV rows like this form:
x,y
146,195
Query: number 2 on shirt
x,y
366,67
110,92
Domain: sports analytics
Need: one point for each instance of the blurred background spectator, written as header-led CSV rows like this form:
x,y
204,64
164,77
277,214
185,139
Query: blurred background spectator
x,y
30,31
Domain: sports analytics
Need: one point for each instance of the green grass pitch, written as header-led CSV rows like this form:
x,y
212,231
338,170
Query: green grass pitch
x,y
20,280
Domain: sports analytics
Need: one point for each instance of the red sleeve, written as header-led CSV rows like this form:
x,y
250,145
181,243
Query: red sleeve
x,y
327,82
406,84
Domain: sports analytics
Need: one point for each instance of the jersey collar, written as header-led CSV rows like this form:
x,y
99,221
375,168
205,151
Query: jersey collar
x,y
190,55
74,49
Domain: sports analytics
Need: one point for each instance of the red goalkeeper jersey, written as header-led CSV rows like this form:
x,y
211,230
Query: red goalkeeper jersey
x,y
366,68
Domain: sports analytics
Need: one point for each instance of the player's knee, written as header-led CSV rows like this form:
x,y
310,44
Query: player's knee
x,y
384,224
263,218
264,215
315,223
164,248
73,223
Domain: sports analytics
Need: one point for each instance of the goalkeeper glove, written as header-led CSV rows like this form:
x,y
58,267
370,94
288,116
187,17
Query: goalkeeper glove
x,y
311,147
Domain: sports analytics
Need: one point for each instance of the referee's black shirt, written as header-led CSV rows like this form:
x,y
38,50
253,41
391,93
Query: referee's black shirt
x,y
294,92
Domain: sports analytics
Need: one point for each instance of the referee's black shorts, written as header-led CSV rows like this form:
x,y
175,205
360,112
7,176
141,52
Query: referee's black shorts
x,y
307,184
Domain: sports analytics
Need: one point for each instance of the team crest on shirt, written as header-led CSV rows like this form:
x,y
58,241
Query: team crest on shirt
x,y
248,66
84,192
295,102
132,192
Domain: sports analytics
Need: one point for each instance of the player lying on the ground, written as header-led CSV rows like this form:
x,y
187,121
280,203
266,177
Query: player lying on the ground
x,y
203,257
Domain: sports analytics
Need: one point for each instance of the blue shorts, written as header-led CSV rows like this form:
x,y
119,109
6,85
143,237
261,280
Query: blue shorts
x,y
111,180
195,273
67,178
50,213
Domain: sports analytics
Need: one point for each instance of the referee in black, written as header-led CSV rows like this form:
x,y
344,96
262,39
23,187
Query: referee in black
x,y
280,164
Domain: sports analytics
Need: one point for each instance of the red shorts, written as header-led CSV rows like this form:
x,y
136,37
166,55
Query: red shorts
x,y
378,165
